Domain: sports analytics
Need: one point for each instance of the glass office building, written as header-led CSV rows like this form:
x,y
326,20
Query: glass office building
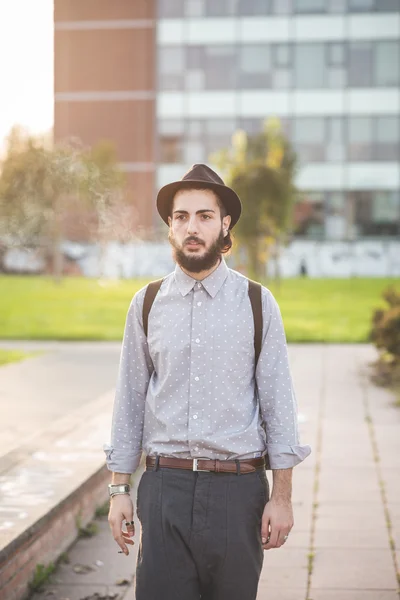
x,y
329,69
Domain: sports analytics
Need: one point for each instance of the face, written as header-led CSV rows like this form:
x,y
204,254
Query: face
x,y
196,230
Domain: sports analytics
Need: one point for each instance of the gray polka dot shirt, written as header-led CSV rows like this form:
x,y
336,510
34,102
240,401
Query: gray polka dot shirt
x,y
189,389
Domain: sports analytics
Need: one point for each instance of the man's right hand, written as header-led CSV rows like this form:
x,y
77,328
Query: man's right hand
x,y
121,508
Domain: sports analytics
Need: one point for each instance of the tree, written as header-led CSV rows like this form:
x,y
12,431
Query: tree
x,y
261,169
40,182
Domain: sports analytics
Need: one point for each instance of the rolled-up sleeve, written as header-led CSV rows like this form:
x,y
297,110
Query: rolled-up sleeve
x,y
123,451
278,404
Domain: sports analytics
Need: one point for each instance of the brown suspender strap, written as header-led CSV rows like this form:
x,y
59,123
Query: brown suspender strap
x,y
151,293
256,305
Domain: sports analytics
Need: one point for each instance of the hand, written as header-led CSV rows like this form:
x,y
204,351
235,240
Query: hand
x,y
121,508
277,521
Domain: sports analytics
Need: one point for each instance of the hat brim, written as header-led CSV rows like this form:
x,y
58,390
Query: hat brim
x,y
228,197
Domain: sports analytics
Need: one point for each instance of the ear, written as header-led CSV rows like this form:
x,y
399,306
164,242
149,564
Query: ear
x,y
169,221
226,221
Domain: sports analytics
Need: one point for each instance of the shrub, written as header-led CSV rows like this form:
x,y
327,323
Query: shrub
x,y
385,332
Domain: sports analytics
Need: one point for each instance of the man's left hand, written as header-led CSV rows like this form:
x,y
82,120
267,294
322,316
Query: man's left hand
x,y
277,521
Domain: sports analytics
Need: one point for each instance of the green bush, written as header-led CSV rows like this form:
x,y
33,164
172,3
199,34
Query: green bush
x,y
385,332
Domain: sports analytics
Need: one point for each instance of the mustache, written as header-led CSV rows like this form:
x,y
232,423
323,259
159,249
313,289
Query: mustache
x,y
193,239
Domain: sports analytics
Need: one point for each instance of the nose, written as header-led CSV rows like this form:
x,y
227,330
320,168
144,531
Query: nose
x,y
192,225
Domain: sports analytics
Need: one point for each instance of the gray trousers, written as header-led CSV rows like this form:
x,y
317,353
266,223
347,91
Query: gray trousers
x,y
200,534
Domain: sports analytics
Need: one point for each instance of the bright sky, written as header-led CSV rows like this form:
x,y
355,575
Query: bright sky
x,y
26,65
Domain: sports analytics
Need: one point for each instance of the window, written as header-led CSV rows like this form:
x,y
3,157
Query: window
x,y
336,216
387,138
250,126
310,6
218,134
170,140
387,5
386,64
194,8
221,8
336,58
281,72
361,5
335,147
376,213
309,215
194,152
374,64
337,6
281,7
170,8
309,66
255,66
171,64
220,67
254,7
360,64
360,134
309,139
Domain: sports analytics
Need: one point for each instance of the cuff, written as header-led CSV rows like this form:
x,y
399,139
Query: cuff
x,y
121,460
284,457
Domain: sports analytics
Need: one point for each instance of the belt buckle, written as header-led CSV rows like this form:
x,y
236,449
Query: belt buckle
x,y
195,467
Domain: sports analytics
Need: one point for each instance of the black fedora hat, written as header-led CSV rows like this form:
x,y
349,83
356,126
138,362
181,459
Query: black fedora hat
x,y
202,176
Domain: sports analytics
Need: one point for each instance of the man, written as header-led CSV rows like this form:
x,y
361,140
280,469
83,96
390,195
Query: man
x,y
208,419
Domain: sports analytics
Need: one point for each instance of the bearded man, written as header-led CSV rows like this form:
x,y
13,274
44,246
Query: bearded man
x,y
210,411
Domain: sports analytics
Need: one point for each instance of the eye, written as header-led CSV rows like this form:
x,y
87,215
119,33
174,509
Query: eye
x,y
206,217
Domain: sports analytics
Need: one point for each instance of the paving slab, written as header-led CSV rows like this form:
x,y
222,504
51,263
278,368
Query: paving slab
x,y
354,568
352,595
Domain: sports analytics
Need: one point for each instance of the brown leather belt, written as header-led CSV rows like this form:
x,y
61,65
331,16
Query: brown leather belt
x,y
206,464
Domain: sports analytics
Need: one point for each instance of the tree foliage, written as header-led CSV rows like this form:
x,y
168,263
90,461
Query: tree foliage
x,y
39,182
261,169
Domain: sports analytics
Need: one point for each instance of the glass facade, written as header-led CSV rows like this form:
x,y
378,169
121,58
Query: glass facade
x,y
306,66
335,91
169,9
316,139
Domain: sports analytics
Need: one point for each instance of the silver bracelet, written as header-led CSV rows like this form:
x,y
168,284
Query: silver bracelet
x,y
117,493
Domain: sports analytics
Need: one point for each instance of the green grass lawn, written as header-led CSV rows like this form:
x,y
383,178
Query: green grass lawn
x,y
313,310
9,356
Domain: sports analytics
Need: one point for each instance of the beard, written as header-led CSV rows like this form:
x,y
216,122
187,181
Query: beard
x,y
192,262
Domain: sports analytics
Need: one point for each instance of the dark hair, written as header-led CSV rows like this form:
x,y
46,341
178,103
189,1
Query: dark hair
x,y
228,239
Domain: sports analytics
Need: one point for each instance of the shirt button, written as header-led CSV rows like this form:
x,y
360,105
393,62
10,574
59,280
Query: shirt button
x,y
196,378
199,304
194,416
199,285
197,341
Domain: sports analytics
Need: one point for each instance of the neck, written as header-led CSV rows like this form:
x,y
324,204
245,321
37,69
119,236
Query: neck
x,y
203,274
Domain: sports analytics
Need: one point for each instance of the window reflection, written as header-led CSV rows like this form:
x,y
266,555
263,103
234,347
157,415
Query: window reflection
x,y
309,62
171,65
309,215
309,139
170,8
254,7
376,213
255,66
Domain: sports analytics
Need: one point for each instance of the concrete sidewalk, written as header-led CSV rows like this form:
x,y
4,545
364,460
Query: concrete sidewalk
x,y
346,540
61,378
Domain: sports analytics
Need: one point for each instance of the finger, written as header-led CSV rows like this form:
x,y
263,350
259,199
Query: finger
x,y
273,538
127,538
130,528
122,544
280,541
265,530
116,533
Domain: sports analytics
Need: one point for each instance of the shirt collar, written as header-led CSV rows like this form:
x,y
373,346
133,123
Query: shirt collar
x,y
212,284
